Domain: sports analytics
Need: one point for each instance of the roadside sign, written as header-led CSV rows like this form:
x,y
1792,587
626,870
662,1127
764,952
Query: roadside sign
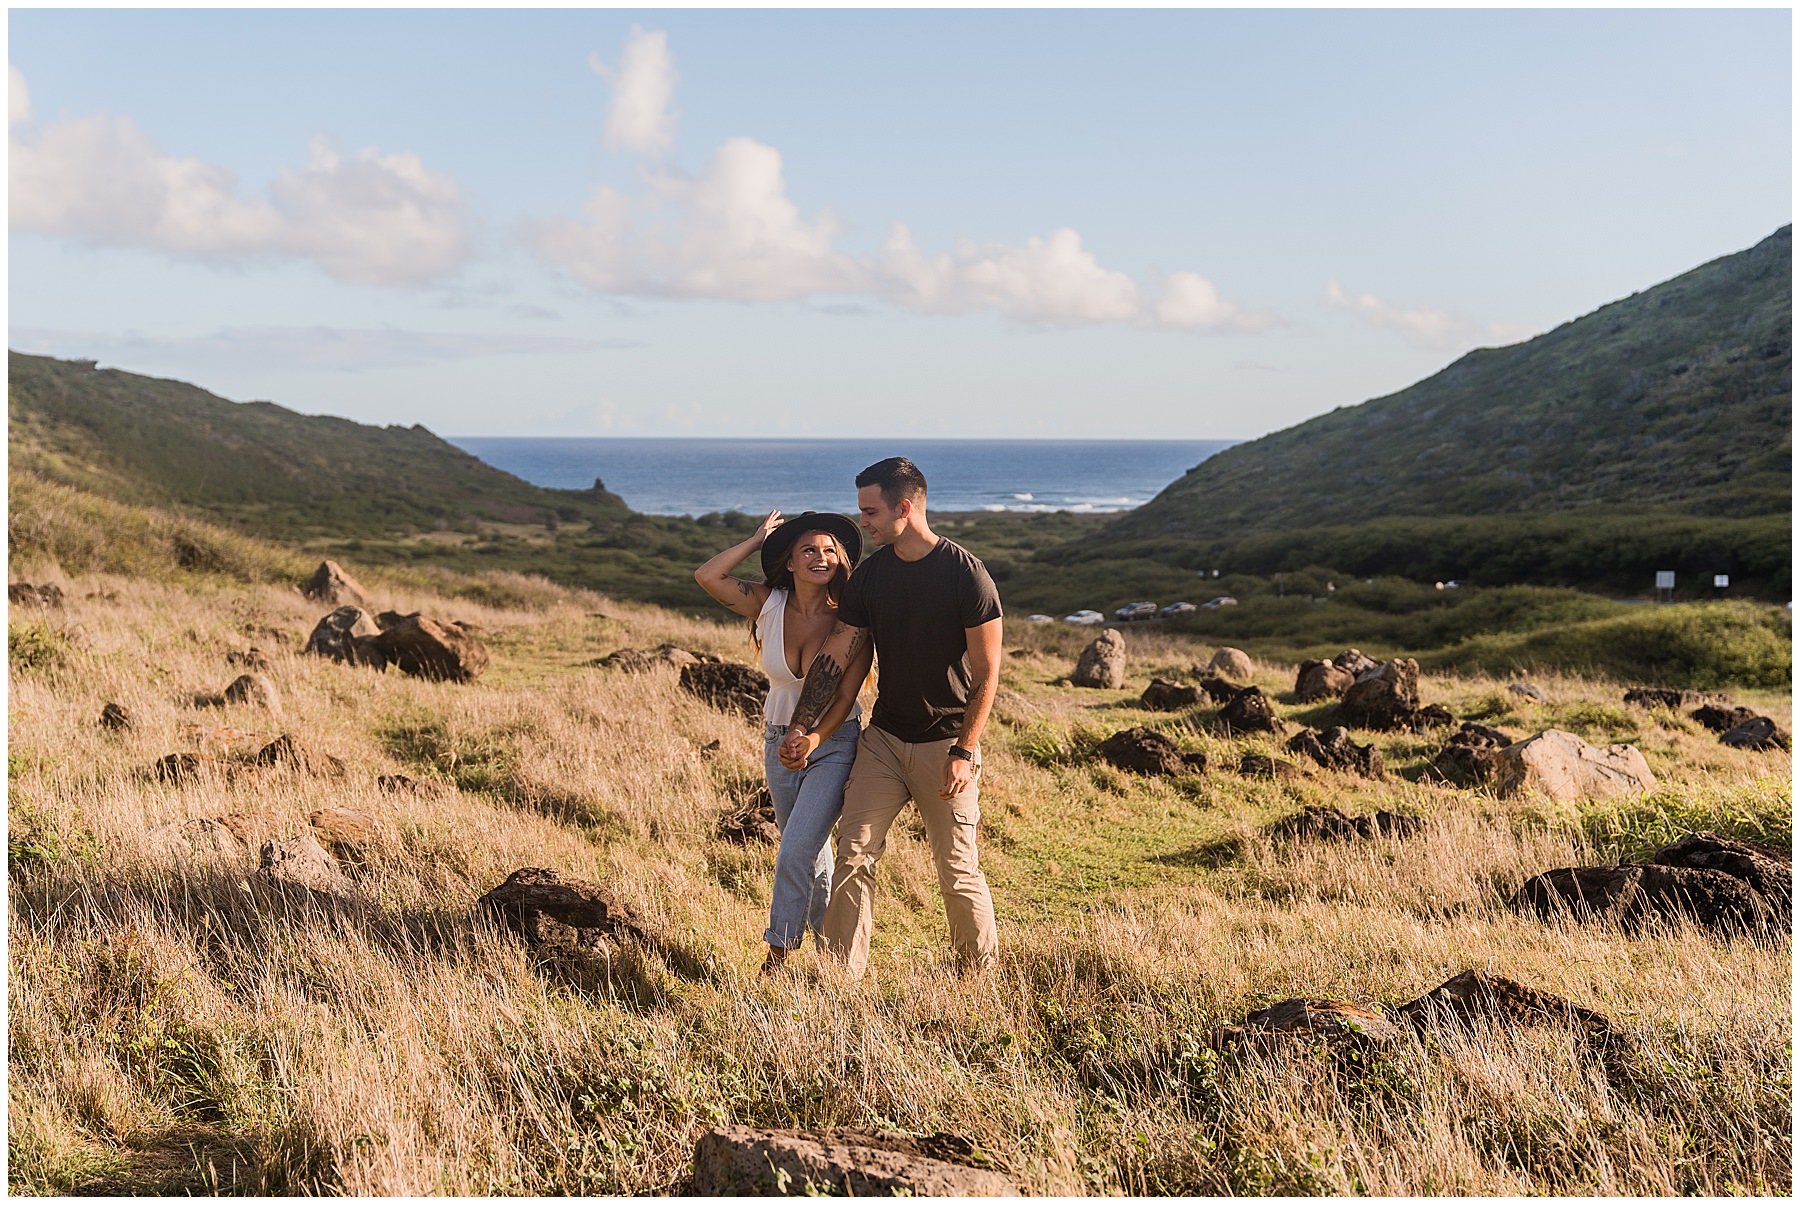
x,y
1721,580
1665,579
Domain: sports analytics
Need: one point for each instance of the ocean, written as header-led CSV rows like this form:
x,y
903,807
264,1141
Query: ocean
x,y
753,476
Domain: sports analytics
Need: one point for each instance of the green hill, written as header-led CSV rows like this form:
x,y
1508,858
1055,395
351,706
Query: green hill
x,y
1654,433
257,466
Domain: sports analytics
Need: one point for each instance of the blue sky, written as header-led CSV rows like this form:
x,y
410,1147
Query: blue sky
x,y
1007,223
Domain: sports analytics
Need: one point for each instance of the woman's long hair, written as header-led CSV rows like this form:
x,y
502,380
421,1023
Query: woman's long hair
x,y
782,578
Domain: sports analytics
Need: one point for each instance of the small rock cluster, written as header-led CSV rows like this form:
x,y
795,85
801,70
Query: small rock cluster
x,y
1385,698
639,661
1334,750
417,644
24,594
1330,679
740,1161
1328,824
727,685
1147,751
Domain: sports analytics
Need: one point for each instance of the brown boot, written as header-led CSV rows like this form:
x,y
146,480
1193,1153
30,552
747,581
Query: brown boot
x,y
772,962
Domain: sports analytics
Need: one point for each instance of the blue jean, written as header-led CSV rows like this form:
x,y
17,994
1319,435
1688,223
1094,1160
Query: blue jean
x,y
807,803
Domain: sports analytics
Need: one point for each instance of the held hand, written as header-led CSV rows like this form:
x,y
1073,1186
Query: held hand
x,y
958,776
768,525
796,747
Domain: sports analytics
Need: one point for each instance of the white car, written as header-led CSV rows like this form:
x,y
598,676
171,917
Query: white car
x,y
1224,600
1136,610
1039,619
1085,617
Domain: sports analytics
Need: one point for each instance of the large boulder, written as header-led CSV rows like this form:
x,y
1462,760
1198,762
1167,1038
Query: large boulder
x,y
727,685
425,648
1250,711
1768,869
1147,751
292,753
1632,896
1334,750
344,636
1756,733
1383,697
1102,662
738,1161
1321,680
566,914
1562,766
1292,1022
1354,662
638,661
1231,663
330,584
1164,695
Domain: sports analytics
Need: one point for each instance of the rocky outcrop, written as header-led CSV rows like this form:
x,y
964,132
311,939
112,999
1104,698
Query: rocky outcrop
x,y
1234,664
1562,766
1768,869
727,685
1354,662
1658,696
199,839
1337,1022
116,717
1472,756
331,585
1314,823
1756,733
302,862
1528,690
1250,711
751,819
1334,750
1102,663
1632,896
1147,751
1217,689
1321,680
292,753
24,594
344,637
567,914
1718,717
1382,698
254,690
739,1161
638,661
425,648
1164,695
1479,995
1261,765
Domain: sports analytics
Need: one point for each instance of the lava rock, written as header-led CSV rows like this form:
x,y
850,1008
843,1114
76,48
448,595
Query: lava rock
x,y
1147,751
727,685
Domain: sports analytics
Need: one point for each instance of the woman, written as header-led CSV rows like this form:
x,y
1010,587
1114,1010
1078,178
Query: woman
x,y
805,563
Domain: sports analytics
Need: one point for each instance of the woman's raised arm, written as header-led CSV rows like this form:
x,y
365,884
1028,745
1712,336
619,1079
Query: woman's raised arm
x,y
744,597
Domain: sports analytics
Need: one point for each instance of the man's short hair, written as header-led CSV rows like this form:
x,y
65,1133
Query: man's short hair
x,y
898,478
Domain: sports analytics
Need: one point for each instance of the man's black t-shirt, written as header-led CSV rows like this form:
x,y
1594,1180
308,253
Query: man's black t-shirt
x,y
916,611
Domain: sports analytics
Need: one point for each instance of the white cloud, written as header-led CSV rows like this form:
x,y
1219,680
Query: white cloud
x,y
369,218
733,233
18,97
1435,329
643,87
301,348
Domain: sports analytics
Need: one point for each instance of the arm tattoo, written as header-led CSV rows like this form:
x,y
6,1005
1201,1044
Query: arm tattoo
x,y
743,586
815,696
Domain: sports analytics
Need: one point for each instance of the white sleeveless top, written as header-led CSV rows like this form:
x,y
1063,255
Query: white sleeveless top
x,y
784,687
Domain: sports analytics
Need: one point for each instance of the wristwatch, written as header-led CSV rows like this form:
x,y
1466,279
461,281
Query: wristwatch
x,y
964,754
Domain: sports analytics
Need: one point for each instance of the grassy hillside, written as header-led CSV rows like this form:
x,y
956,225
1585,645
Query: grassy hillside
x,y
1674,399
170,1034
255,465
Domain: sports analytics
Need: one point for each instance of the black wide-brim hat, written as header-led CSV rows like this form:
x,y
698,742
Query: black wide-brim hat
x,y
780,543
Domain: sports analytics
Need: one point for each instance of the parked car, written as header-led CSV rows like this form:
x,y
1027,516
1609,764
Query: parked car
x,y
1085,617
1039,619
1136,610
1180,608
1224,600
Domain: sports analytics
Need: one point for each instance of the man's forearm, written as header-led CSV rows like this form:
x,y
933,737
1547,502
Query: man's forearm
x,y
975,715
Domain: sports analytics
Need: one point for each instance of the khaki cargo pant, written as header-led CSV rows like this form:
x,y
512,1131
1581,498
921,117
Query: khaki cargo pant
x,y
888,772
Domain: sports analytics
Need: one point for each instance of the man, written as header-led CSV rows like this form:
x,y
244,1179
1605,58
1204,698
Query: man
x,y
934,616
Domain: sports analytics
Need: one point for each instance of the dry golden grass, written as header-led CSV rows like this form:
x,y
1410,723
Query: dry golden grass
x,y
170,1033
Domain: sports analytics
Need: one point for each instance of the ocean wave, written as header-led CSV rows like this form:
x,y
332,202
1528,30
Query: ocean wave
x,y
1024,497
